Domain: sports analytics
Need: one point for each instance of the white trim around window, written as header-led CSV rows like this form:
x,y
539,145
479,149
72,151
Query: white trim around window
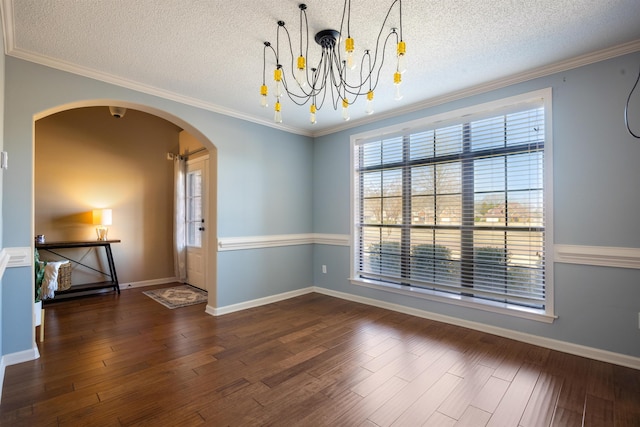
x,y
402,268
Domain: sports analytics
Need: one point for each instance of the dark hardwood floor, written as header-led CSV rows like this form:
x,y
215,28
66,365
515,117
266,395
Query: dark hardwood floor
x,y
313,360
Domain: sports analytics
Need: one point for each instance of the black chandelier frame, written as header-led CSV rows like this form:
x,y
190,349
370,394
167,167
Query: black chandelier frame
x,y
331,73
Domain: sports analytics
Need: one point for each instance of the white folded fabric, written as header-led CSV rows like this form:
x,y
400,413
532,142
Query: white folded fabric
x,y
50,280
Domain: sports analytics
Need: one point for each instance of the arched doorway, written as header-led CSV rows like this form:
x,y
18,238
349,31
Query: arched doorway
x,y
147,222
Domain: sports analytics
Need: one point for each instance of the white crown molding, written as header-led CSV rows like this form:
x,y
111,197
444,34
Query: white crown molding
x,y
535,73
261,242
567,347
148,89
12,50
604,256
6,8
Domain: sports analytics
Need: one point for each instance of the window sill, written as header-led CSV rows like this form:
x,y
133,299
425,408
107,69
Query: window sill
x,y
460,300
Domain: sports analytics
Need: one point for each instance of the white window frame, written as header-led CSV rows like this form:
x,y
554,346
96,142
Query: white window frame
x,y
543,315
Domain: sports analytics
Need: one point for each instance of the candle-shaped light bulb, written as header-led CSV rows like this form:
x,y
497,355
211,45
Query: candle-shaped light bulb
x,y
397,81
312,114
277,78
277,117
345,109
349,46
369,106
301,77
263,96
402,57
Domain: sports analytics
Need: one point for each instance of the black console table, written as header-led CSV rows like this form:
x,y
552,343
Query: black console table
x,y
106,244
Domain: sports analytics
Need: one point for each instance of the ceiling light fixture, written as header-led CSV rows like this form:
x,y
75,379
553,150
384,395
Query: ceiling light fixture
x,y
333,75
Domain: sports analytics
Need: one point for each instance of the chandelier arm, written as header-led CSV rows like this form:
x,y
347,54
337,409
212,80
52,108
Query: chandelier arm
x,y
278,43
375,85
320,75
319,105
324,97
292,95
335,97
306,54
315,90
349,19
356,89
275,54
363,80
346,8
290,49
339,81
264,63
323,72
386,18
367,55
302,11
400,19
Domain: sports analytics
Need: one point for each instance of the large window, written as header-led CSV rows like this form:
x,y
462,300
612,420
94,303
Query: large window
x,y
454,206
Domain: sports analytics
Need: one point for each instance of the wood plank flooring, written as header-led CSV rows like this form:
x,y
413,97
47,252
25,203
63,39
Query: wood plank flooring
x,y
313,360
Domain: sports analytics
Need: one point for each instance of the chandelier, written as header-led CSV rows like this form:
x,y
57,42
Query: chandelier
x,y
335,78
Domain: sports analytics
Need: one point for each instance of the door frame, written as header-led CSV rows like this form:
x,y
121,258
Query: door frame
x,y
205,215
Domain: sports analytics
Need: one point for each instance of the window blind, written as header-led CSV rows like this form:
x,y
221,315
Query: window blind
x,y
456,207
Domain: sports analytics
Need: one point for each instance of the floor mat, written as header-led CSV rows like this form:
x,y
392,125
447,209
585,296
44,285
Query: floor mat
x,y
178,296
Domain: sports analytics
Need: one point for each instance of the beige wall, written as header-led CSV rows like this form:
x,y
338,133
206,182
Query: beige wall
x,y
86,159
189,144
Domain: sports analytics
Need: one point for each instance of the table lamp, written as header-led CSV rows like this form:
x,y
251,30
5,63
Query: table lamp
x,y
102,218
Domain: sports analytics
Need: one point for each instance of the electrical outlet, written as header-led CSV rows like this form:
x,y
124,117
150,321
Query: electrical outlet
x,y
324,269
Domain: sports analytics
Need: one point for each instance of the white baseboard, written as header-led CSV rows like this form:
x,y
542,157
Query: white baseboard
x,y
15,358
565,347
256,302
145,283
1,376
21,356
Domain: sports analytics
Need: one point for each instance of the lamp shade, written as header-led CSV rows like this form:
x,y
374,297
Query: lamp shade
x,y
102,216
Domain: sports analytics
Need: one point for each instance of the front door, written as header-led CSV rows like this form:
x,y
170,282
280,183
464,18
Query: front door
x,y
196,199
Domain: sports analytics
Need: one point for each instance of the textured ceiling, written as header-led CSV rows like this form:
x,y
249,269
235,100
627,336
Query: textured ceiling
x,y
209,53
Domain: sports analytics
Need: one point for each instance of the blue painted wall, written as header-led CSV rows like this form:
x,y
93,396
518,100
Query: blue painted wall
x,y
596,203
256,194
271,182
